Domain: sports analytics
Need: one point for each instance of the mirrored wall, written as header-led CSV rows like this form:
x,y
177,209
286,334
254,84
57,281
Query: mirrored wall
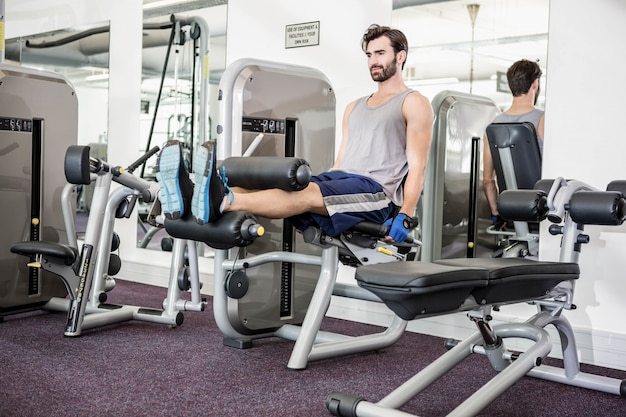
x,y
81,55
467,46
170,95
184,55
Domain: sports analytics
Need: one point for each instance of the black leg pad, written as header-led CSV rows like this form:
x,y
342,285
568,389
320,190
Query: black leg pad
x,y
263,172
230,230
598,207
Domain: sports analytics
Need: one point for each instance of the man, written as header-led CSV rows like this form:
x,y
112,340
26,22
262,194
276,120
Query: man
x,y
523,78
379,168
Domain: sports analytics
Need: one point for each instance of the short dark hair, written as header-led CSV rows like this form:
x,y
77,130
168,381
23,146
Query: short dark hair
x,y
521,75
396,37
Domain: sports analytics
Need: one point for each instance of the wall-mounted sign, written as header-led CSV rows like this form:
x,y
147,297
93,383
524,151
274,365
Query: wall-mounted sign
x,y
302,34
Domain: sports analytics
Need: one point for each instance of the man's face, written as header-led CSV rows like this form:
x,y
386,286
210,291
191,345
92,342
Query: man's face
x,y
381,59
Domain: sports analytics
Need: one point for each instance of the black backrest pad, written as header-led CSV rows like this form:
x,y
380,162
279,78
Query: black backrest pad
x,y
521,140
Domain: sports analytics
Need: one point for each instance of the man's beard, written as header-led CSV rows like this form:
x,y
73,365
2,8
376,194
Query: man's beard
x,y
387,72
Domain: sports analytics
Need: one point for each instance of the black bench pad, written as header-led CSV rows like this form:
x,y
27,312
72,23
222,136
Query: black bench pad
x,y
516,279
411,289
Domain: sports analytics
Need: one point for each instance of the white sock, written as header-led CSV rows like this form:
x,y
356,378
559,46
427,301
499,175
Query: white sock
x,y
223,203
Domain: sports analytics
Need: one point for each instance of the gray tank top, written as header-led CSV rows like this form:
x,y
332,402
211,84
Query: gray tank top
x,y
533,116
376,145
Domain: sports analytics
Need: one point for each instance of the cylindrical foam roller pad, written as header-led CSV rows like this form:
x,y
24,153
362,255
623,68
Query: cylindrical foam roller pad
x,y
522,205
263,172
228,231
597,207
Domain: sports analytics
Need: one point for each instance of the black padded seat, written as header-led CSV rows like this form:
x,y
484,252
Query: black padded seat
x,y
60,251
516,279
411,289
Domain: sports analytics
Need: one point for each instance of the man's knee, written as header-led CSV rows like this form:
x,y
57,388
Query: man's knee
x,y
315,199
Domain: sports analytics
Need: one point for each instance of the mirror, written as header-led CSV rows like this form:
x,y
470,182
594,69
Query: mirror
x,y
447,51
81,55
174,70
468,48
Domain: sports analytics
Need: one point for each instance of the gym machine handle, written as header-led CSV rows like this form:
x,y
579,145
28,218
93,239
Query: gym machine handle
x,y
139,162
380,230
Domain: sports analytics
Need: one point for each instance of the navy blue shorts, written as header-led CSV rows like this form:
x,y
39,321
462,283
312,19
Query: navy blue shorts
x,y
349,199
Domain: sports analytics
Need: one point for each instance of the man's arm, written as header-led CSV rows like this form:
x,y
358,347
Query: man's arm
x,y
540,126
490,188
418,114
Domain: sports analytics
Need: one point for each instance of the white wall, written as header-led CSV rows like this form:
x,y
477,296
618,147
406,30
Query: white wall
x,y
93,115
585,140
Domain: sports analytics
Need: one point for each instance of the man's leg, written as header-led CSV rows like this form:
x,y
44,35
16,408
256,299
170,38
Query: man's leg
x,y
212,195
277,204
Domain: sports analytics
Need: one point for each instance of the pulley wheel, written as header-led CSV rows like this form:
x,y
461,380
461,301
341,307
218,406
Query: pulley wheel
x,y
237,284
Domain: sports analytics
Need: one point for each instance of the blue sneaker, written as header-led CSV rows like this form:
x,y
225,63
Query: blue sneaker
x,y
175,185
210,188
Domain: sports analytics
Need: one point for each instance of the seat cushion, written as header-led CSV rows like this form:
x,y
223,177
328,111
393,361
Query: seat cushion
x,y
516,279
411,289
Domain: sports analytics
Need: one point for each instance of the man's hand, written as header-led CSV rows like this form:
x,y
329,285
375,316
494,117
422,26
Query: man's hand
x,y
498,222
399,227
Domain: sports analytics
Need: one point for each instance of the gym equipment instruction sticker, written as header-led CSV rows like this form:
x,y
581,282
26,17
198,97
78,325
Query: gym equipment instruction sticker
x,y
302,34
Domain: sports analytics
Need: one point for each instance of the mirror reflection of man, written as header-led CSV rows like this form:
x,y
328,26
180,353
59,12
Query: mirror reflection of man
x,y
523,78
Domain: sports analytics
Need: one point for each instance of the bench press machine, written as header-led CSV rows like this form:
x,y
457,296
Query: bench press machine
x,y
479,285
